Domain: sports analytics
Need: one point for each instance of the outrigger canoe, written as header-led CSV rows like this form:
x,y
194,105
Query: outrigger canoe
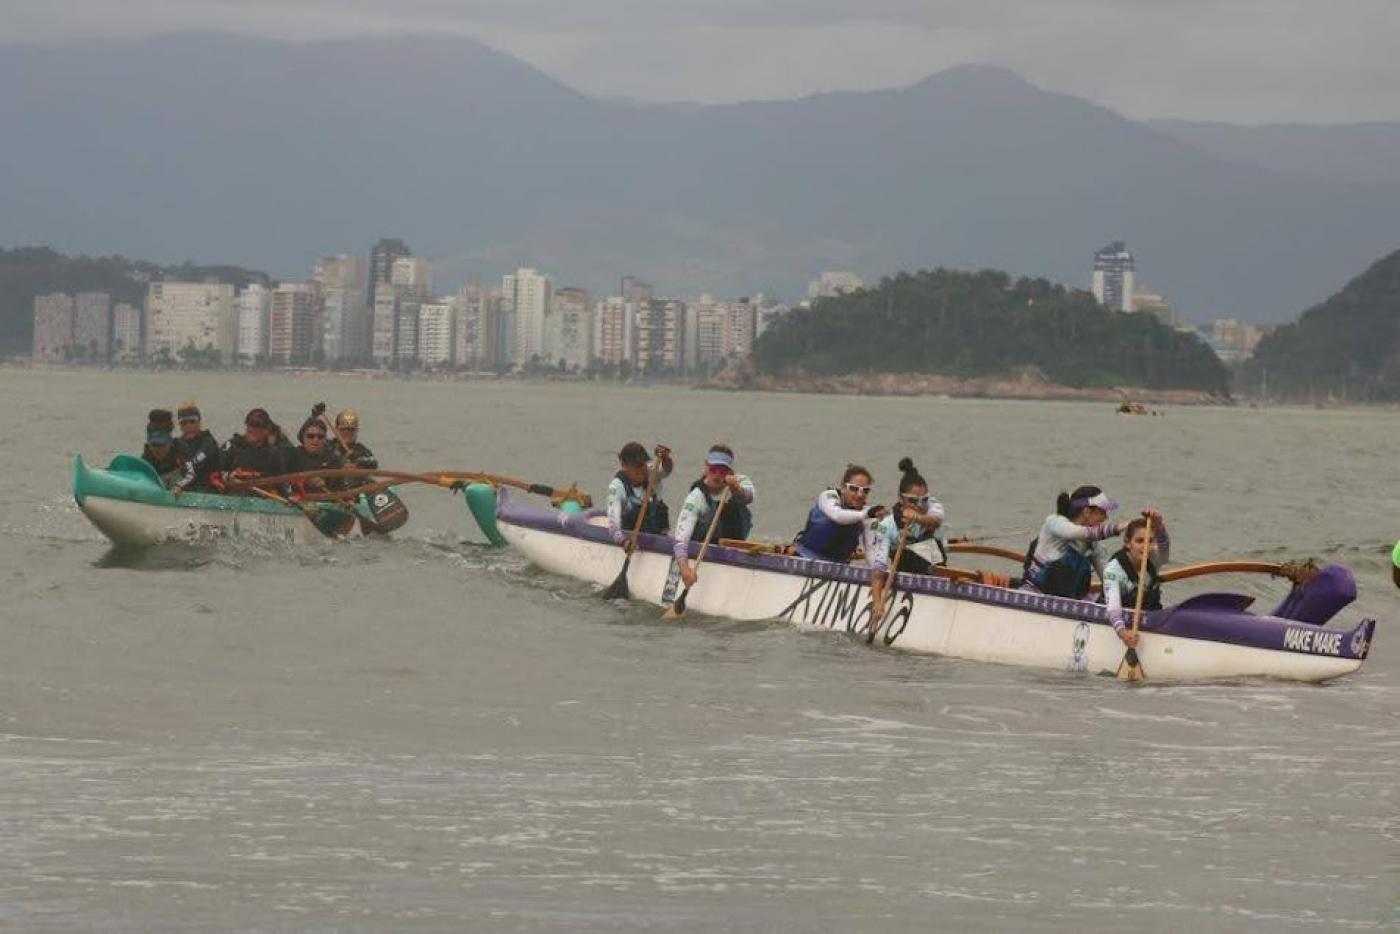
x,y
129,504
1210,636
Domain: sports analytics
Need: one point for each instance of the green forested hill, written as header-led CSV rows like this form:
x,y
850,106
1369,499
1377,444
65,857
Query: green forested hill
x,y
30,271
1346,348
971,324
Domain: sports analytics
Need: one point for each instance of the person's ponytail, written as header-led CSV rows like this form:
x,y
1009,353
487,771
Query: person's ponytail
x,y
910,476
1063,507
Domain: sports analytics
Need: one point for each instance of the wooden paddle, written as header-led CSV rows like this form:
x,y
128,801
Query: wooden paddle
x,y
877,597
1130,669
329,521
450,480
677,609
1300,572
618,590
972,548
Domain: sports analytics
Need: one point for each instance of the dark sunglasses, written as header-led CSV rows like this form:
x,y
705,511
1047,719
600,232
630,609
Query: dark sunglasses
x,y
315,436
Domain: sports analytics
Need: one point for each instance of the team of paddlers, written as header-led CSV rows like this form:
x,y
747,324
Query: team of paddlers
x,y
842,523
1061,560
191,460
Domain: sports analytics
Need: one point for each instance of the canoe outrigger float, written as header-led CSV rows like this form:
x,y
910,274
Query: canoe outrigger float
x,y
1210,636
128,503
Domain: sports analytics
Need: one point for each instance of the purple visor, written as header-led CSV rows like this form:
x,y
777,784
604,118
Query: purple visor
x,y
1100,500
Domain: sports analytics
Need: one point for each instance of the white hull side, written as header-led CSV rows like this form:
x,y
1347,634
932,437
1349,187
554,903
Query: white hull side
x,y
131,523
924,623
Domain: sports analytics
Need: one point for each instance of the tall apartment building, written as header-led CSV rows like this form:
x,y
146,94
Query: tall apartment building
x,y
92,325
185,314
252,306
345,328
1113,277
381,263
406,330
294,323
614,331
412,275
475,330
435,323
126,332
711,321
528,294
569,329
383,322
661,336
53,327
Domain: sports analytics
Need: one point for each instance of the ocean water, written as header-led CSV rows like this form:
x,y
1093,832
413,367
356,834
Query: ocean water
x,y
428,734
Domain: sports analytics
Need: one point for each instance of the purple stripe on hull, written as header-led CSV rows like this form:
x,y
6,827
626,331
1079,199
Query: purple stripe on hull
x,y
1210,617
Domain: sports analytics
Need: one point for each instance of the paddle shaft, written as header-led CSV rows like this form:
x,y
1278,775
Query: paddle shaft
x,y
877,605
1131,668
618,588
678,607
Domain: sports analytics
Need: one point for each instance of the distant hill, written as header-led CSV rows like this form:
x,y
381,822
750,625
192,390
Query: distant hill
x,y
31,271
1346,348
268,154
970,325
1364,153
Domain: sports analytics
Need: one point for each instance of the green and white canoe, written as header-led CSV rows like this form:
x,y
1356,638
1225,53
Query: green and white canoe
x,y
129,504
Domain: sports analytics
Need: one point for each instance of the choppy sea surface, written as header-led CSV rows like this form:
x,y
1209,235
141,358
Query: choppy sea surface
x,y
428,734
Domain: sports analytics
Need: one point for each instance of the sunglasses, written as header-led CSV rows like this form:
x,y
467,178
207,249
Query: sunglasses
x,y
313,436
913,500
858,489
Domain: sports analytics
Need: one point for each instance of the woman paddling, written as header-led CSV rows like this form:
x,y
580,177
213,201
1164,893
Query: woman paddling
x,y
922,514
1120,575
1069,549
698,510
838,522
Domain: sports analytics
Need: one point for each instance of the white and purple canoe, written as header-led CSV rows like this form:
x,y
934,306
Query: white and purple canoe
x,y
1210,636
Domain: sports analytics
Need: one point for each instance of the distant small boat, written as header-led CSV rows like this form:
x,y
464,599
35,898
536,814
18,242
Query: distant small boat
x,y
129,504
1134,408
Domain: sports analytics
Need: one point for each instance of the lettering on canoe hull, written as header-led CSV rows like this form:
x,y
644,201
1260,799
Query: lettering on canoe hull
x,y
835,605
1316,641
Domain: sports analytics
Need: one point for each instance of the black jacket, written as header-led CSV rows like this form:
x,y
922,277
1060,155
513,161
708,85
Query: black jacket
x,y
168,467
265,460
202,458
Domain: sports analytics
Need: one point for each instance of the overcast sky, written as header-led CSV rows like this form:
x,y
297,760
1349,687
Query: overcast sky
x,y
1247,61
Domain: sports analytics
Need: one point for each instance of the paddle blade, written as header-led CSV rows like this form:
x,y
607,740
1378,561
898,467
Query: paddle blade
x,y
386,512
331,521
617,590
1130,669
676,610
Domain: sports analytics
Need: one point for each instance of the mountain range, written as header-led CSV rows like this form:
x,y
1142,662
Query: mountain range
x,y
228,149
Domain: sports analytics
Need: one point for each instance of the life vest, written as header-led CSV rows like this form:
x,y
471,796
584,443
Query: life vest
x,y
916,535
734,522
1069,575
1152,596
831,540
658,518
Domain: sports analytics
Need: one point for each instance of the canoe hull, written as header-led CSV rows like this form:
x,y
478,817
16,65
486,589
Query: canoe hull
x,y
927,615
132,509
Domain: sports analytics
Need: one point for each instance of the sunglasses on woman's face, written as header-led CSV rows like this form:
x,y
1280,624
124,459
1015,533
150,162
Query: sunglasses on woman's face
x,y
913,500
857,490
312,436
